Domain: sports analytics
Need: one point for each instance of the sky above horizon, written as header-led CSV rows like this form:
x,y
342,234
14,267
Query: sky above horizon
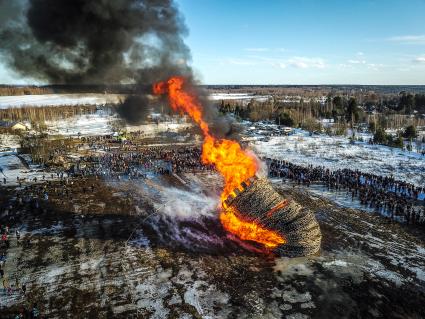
x,y
307,41
302,42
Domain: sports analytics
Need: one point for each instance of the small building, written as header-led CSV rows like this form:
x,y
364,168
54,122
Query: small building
x,y
13,125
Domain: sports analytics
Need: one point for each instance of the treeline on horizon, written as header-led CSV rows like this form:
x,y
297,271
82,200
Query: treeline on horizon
x,y
314,88
11,90
15,90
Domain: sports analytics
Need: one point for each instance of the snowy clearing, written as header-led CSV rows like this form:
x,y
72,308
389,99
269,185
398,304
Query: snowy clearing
x,y
336,152
237,96
59,99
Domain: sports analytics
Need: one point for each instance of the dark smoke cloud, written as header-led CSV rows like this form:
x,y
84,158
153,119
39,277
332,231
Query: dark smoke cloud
x,y
93,41
135,109
101,42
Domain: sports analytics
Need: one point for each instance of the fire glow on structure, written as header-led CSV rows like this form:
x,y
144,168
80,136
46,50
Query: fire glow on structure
x,y
230,160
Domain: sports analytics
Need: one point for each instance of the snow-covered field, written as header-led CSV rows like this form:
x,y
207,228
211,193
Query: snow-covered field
x,y
97,99
102,123
83,125
237,96
336,152
58,100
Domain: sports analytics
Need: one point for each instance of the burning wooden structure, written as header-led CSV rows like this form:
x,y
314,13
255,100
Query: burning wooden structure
x,y
253,210
257,202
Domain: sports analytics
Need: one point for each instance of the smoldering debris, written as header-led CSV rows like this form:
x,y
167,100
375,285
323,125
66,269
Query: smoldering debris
x,y
91,41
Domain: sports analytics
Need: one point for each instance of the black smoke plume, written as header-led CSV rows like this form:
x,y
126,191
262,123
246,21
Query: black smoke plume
x,y
100,42
93,41
135,109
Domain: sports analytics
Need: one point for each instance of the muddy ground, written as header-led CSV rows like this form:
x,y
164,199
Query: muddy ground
x,y
110,251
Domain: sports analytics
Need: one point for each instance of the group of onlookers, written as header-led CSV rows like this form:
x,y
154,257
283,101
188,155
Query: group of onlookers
x,y
385,194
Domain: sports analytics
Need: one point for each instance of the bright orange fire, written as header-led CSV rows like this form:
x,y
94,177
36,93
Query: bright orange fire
x,y
248,230
230,160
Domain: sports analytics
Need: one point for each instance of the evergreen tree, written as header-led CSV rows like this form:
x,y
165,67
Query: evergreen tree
x,y
410,132
380,137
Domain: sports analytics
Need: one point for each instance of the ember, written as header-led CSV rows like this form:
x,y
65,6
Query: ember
x,y
244,218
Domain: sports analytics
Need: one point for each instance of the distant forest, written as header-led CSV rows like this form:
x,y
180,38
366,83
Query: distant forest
x,y
6,90
9,90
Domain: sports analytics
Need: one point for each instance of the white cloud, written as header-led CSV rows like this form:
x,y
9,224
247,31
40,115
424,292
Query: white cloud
x,y
420,59
408,39
257,49
360,53
356,61
374,66
237,61
306,63
258,60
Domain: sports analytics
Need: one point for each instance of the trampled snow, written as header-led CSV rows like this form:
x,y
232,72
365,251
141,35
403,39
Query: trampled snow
x,y
13,168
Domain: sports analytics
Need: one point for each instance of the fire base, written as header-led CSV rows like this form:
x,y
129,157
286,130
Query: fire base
x,y
257,201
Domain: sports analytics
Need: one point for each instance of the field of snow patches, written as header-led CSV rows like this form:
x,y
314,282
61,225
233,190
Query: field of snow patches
x,y
336,152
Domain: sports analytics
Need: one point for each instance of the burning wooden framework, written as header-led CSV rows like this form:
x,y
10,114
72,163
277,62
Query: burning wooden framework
x,y
256,212
256,201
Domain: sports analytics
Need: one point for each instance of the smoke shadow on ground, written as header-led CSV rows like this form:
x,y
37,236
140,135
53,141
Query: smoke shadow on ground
x,y
203,238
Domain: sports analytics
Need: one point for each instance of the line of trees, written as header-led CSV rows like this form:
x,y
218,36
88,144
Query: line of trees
x,y
296,113
381,137
23,90
35,114
409,103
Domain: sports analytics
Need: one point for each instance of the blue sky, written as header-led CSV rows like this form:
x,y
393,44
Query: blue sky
x,y
307,41
303,41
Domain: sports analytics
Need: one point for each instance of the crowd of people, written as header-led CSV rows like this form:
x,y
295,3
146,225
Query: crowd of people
x,y
136,162
397,199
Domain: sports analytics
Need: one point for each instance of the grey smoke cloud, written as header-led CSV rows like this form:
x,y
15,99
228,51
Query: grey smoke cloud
x,y
93,41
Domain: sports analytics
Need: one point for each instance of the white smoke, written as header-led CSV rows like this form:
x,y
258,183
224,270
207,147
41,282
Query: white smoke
x,y
184,215
182,204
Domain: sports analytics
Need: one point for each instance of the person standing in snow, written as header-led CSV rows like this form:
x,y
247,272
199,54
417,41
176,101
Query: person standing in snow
x,y
35,313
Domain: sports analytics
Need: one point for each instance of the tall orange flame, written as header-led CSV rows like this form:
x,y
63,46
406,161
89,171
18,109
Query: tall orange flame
x,y
230,160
